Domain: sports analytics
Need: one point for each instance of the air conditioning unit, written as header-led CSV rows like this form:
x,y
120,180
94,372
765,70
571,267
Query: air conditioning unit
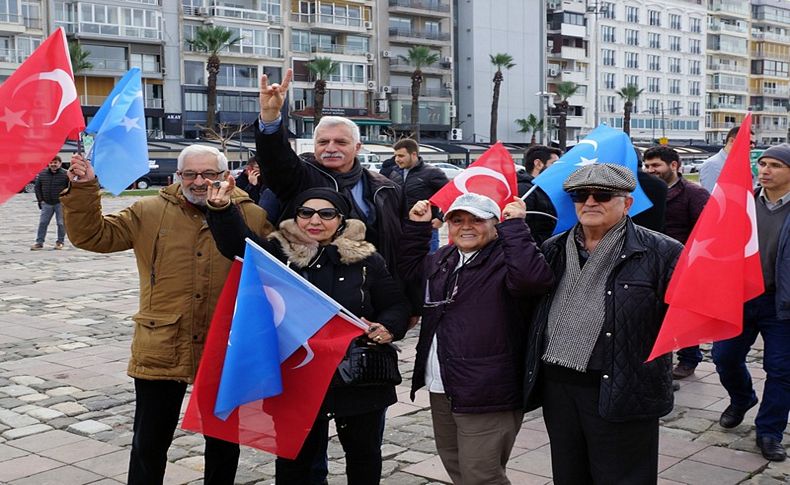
x,y
456,134
382,106
201,11
386,89
368,25
371,85
448,60
448,84
369,55
163,71
299,104
386,53
453,111
554,71
383,138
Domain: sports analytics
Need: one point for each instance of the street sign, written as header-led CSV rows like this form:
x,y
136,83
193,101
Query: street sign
x,y
663,140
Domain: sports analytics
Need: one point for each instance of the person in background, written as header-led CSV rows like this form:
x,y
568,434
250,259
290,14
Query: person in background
x,y
250,181
48,185
541,215
711,168
656,190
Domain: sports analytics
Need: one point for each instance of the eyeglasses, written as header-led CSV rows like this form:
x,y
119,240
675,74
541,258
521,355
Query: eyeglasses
x,y
326,214
581,196
206,174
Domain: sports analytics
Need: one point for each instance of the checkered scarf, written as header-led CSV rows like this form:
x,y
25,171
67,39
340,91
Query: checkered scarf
x,y
578,309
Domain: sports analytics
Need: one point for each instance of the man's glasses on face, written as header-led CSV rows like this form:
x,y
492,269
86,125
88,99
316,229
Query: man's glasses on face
x,y
206,174
581,196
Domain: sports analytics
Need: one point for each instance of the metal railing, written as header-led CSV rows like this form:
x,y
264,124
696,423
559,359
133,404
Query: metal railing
x,y
244,13
13,55
421,4
418,34
432,92
98,100
339,49
311,18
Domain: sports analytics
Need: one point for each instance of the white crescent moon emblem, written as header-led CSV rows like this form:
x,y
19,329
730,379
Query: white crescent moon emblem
x,y
721,200
590,142
69,92
278,304
308,357
751,209
461,179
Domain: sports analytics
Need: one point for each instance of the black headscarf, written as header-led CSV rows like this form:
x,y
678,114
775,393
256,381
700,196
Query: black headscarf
x,y
340,201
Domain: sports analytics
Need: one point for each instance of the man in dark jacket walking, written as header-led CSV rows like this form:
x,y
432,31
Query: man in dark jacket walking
x,y
49,184
685,201
418,181
541,215
591,335
250,181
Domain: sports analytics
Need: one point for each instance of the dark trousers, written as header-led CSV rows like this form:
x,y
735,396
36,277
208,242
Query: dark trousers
x,y
690,356
157,407
360,436
586,449
759,317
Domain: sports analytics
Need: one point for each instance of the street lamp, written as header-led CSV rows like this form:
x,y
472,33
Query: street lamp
x,y
596,8
549,104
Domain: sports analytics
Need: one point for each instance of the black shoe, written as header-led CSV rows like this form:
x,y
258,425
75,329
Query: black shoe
x,y
732,416
681,371
771,449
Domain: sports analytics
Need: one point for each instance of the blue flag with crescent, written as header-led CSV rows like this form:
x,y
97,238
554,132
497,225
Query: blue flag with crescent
x,y
276,313
120,145
602,145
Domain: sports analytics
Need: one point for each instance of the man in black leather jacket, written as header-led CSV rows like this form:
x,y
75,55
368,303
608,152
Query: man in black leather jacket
x,y
541,215
591,335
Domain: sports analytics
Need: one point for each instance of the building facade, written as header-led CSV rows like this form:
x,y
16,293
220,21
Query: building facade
x,y
23,26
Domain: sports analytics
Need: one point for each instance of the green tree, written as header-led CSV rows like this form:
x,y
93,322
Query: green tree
x,y
530,125
565,90
418,57
630,94
321,68
212,40
79,58
499,61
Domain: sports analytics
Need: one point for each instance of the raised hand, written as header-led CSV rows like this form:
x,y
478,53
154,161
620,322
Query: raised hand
x,y
80,170
515,209
421,212
272,97
219,196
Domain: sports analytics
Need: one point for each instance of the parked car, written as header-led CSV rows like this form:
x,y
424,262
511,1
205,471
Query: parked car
x,y
448,168
372,166
160,172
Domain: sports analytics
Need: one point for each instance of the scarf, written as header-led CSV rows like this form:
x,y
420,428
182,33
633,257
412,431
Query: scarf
x,y
578,309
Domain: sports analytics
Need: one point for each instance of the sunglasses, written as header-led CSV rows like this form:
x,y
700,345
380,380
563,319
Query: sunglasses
x,y
581,196
326,214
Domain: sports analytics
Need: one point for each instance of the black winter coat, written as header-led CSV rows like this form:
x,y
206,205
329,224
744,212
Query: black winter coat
x,y
360,282
421,183
685,201
253,190
656,190
50,184
630,388
481,331
287,175
542,227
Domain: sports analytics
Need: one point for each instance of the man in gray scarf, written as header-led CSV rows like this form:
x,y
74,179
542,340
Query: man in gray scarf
x,y
590,337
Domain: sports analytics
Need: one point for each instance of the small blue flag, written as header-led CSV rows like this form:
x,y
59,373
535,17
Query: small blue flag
x,y
602,145
120,146
276,313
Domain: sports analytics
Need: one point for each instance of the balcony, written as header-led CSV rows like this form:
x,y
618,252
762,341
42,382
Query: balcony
x,y
437,68
770,109
424,92
728,66
420,34
14,56
726,106
771,36
240,14
578,77
99,30
108,64
338,49
722,126
353,24
97,100
780,92
725,27
425,7
735,7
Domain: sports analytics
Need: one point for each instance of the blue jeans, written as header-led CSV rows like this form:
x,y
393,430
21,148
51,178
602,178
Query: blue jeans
x,y
759,316
43,222
434,241
690,356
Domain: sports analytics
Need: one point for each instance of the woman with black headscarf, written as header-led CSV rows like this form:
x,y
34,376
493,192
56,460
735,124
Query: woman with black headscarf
x,y
330,251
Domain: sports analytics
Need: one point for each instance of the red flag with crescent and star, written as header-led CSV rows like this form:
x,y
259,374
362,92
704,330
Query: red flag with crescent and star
x,y
39,109
719,269
492,175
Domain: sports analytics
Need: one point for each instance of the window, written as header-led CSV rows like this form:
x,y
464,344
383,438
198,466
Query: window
x,y
607,34
146,62
653,62
654,106
674,43
674,86
654,40
693,108
608,57
608,80
631,37
300,40
631,80
695,67
695,25
195,102
347,72
632,60
654,18
694,46
609,104
674,108
104,57
674,21
632,15
237,75
694,88
674,65
607,10
400,24
654,85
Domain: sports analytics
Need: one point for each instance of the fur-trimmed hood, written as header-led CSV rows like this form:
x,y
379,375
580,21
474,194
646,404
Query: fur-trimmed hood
x,y
351,245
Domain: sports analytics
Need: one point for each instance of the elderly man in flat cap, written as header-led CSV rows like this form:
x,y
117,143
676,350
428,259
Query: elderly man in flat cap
x,y
767,315
591,335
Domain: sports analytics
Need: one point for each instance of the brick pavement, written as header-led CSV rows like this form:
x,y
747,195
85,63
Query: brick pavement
x,y
66,403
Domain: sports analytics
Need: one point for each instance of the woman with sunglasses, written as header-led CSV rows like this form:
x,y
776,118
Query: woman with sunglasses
x,y
330,251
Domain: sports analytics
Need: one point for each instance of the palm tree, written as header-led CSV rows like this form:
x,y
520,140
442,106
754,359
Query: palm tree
x,y
530,125
499,61
212,40
630,94
79,63
565,90
418,57
321,67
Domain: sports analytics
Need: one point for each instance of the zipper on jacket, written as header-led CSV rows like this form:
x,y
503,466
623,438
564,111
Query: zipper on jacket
x,y
362,286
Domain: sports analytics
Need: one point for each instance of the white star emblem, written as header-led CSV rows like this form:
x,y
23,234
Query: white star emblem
x,y
13,118
699,249
586,161
130,123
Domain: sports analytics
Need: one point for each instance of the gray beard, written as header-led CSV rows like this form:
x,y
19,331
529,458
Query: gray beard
x,y
193,199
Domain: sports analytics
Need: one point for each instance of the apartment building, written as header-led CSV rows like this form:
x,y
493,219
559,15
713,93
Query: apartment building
x,y
23,27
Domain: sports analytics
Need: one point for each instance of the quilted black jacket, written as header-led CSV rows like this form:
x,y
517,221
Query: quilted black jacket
x,y
630,388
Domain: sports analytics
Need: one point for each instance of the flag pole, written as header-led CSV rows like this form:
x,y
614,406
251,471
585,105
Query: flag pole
x,y
531,189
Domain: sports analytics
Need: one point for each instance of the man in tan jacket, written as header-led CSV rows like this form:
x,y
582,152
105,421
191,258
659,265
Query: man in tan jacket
x,y
181,276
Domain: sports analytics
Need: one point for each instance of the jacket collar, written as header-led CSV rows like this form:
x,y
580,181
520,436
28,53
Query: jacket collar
x,y
350,246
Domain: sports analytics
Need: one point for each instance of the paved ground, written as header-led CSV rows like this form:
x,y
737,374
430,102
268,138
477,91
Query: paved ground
x,y
66,403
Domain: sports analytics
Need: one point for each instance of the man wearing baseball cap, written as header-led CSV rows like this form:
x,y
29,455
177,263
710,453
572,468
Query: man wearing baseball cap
x,y
470,354
767,315
591,334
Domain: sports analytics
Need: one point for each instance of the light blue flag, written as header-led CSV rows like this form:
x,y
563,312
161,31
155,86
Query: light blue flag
x,y
120,146
602,145
276,313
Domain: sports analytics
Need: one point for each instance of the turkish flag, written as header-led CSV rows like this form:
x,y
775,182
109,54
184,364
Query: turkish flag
x,y
39,108
719,269
277,424
492,175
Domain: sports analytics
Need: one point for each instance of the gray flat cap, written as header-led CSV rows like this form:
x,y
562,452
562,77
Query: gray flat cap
x,y
602,176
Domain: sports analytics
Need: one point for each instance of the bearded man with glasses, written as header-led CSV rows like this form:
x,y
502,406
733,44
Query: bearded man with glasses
x,y
591,335
181,276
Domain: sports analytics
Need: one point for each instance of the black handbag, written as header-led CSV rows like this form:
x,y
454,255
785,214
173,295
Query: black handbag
x,y
369,364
